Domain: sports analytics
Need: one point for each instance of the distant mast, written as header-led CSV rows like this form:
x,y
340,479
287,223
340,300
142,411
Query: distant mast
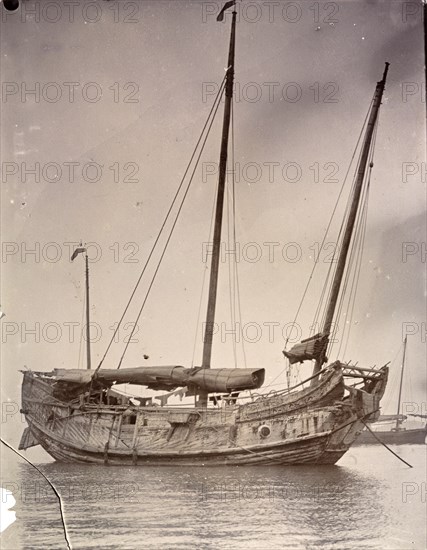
x,y
401,382
88,361
77,251
342,258
213,283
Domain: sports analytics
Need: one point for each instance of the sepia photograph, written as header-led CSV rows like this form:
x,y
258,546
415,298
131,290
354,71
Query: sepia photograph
x,y
213,274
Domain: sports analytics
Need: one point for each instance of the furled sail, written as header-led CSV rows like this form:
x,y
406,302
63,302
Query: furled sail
x,y
307,349
164,378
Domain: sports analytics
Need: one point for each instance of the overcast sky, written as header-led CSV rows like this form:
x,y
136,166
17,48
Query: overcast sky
x,y
143,83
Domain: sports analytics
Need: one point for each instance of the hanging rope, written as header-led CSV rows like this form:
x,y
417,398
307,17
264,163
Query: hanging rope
x,y
202,292
355,259
349,310
358,248
237,306
333,264
355,248
172,228
329,224
384,445
208,122
331,268
231,242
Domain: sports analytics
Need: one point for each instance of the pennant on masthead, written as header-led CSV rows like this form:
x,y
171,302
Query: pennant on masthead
x,y
226,6
76,252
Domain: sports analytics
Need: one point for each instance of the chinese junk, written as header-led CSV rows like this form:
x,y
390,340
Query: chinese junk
x,y
392,428
78,415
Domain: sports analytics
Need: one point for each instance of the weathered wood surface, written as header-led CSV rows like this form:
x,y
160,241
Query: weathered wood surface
x,y
314,425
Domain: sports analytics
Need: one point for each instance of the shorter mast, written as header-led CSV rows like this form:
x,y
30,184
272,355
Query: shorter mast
x,y
342,258
401,382
77,251
88,361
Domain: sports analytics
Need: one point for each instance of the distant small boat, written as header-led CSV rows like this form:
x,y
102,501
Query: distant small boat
x,y
399,434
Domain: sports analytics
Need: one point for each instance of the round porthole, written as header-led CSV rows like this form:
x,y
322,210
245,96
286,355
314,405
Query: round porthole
x,y
264,431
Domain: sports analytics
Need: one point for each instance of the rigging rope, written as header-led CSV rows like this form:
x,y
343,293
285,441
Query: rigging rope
x,y
315,319
173,227
235,301
356,253
359,248
236,266
354,242
231,240
333,265
355,280
202,292
214,109
331,218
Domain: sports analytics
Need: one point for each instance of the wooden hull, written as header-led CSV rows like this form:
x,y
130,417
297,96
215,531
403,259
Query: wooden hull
x,y
311,450
316,425
401,437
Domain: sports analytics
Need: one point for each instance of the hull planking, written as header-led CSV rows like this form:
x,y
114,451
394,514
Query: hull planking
x,y
315,425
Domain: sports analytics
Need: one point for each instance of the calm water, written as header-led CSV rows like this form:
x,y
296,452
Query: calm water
x,y
370,500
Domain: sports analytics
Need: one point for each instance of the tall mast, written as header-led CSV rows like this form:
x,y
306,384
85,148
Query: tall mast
x,y
88,362
401,381
213,283
342,258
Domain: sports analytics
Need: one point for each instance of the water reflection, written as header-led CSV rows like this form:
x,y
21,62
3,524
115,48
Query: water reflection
x,y
338,507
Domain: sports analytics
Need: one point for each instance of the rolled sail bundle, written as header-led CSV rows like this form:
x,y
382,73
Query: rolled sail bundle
x,y
164,378
310,348
225,380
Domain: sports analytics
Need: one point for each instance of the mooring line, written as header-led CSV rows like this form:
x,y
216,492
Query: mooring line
x,y
61,508
384,445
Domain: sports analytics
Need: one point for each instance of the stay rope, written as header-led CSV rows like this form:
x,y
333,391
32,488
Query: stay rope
x,y
330,223
325,293
215,109
207,125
